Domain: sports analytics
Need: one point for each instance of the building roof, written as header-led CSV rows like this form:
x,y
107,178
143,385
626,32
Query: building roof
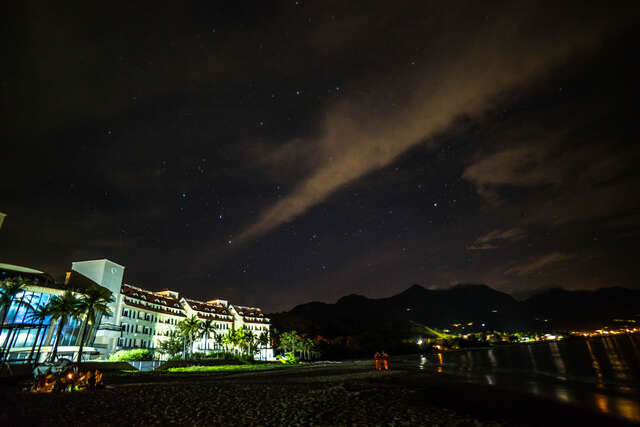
x,y
162,304
213,317
248,311
19,269
79,282
155,309
98,260
206,308
74,281
250,314
42,278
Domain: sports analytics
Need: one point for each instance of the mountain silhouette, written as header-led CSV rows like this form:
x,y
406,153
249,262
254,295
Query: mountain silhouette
x,y
474,307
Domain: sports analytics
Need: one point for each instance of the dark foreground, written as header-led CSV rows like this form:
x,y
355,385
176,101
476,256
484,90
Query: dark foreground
x,y
338,394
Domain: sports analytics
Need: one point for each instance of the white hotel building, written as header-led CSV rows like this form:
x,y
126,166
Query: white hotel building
x,y
143,318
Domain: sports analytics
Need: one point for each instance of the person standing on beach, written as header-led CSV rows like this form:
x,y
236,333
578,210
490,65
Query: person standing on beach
x,y
385,358
378,358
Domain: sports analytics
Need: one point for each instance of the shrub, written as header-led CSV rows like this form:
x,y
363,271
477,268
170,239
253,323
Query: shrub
x,y
222,368
230,357
134,355
105,367
288,358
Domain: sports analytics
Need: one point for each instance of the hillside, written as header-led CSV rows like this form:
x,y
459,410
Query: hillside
x,y
366,322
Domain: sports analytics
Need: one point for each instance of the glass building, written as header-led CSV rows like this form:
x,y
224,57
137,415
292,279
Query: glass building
x,y
24,338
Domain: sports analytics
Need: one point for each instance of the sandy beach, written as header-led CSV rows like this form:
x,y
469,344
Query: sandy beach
x,y
349,393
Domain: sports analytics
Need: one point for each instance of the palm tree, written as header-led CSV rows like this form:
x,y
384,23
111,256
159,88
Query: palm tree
x,y
263,339
228,339
189,328
250,341
218,338
60,309
239,339
9,288
93,303
306,346
39,314
206,328
289,340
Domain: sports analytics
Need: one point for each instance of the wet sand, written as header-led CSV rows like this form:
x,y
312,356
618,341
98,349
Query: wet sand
x,y
349,393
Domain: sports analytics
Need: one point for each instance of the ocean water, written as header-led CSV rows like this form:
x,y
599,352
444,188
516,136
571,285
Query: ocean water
x,y
602,373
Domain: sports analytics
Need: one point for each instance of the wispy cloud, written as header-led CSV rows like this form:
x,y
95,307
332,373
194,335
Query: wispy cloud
x,y
537,264
360,137
494,239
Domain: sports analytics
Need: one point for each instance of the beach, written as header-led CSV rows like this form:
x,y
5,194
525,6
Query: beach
x,y
348,393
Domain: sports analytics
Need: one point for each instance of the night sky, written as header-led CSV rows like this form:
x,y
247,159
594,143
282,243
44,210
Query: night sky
x,y
283,152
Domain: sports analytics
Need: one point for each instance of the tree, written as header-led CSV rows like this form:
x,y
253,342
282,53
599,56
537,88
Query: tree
x,y
250,341
189,329
206,329
93,303
306,345
289,340
9,288
39,314
172,347
60,309
218,338
228,340
263,339
238,338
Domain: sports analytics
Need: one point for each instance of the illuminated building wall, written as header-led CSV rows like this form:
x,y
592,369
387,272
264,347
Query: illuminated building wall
x,y
140,319
144,318
24,335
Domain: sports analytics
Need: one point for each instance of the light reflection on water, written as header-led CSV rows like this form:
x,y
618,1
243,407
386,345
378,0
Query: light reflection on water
x,y
601,373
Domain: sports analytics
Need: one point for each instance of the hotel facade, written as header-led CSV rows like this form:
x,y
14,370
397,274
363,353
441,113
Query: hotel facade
x,y
140,318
